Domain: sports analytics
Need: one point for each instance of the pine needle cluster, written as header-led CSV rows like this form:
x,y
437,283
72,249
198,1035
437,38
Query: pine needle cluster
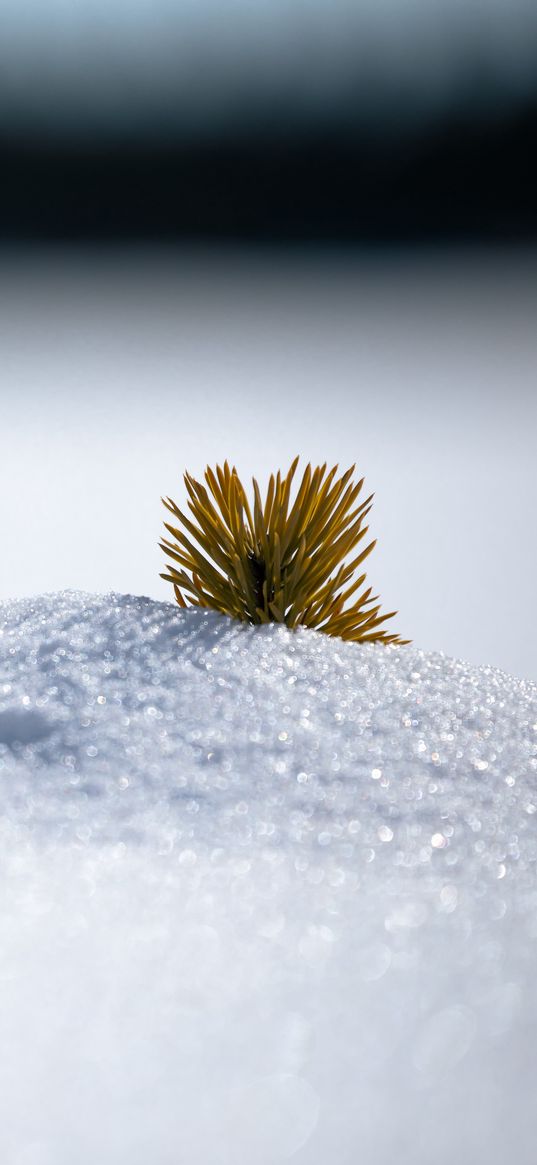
x,y
277,560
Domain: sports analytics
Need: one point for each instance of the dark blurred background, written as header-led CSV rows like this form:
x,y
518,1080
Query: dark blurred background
x,y
270,120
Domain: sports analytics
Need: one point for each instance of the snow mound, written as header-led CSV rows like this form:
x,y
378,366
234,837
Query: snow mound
x,y
265,895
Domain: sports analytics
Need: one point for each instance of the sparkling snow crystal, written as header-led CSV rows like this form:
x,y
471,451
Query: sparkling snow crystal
x,y
265,895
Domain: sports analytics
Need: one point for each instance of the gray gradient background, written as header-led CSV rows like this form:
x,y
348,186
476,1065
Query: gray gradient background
x,y
121,368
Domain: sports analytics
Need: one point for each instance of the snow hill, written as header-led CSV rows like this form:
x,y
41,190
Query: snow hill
x,y
265,896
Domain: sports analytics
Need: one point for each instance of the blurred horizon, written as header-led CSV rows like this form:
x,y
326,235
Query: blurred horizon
x,y
150,67
266,121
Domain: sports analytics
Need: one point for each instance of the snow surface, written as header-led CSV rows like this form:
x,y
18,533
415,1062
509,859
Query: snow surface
x,y
265,895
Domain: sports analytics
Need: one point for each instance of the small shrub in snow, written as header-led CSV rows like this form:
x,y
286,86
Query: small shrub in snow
x,y
276,560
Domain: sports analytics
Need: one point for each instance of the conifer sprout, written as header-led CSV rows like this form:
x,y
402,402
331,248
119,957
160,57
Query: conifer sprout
x,y
278,560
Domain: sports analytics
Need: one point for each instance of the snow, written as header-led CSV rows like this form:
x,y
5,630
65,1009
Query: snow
x,y
265,895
